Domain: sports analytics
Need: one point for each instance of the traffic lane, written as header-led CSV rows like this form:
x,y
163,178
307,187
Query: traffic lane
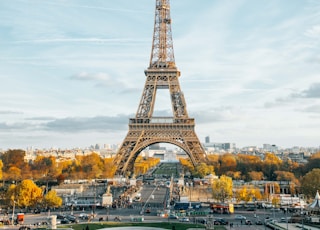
x,y
159,192
242,227
127,215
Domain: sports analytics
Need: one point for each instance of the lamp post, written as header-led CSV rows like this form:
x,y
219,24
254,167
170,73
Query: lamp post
x,y
265,215
287,215
12,218
302,216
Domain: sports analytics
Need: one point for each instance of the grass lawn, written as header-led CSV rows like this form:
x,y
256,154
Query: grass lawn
x,y
165,225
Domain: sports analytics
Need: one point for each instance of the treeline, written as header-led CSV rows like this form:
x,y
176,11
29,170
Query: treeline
x,y
26,184
270,168
13,167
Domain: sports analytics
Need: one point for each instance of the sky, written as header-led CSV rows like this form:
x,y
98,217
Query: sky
x,y
72,71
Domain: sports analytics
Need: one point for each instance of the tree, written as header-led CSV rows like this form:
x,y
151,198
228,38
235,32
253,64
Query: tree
x,y
186,165
51,200
234,175
109,168
248,193
13,174
313,162
248,163
44,168
271,164
1,166
203,170
13,158
26,194
288,176
92,166
222,188
214,161
227,163
254,175
310,183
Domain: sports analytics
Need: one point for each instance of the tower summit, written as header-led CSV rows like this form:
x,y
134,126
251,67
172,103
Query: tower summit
x,y
162,55
162,74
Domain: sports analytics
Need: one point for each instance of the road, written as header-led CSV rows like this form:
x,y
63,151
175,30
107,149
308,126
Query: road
x,y
127,214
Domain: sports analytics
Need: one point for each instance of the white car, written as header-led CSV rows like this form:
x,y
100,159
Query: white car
x,y
184,219
83,216
283,220
240,217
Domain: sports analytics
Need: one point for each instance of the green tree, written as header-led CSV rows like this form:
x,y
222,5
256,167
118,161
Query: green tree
x,y
310,183
313,162
222,188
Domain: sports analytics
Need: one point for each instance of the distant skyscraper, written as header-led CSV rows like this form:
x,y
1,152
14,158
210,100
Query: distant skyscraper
x,y
207,139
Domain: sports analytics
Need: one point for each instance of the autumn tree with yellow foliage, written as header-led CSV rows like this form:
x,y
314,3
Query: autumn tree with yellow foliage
x,y
222,188
142,165
201,170
51,200
248,193
25,194
271,164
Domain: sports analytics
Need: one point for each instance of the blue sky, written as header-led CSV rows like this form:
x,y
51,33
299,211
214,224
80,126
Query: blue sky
x,y
72,71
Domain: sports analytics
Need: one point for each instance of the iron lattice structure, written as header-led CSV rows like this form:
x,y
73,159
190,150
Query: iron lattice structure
x,y
145,129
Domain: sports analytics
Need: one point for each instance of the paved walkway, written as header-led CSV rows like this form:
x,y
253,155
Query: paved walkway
x,y
297,226
282,225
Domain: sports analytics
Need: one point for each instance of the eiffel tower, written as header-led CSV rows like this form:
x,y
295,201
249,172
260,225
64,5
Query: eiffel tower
x,y
145,129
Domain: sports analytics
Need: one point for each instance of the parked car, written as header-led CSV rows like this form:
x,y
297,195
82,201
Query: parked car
x,y
36,211
72,219
248,222
240,217
60,217
172,216
220,221
65,221
184,219
283,220
202,220
24,228
83,216
259,222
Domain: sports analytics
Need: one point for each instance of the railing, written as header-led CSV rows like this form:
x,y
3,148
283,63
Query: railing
x,y
161,120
